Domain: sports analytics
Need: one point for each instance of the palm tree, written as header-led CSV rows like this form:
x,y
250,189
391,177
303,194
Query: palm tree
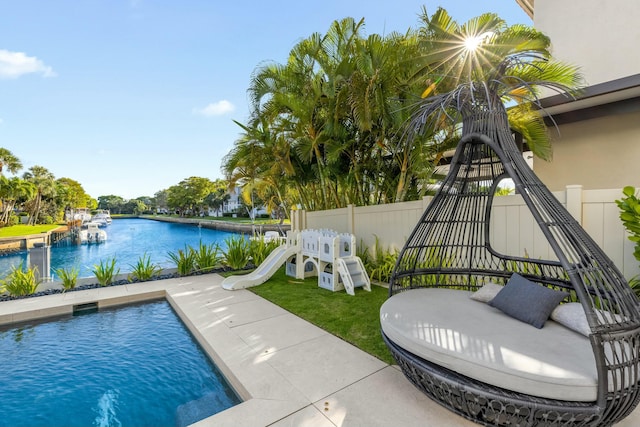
x,y
485,64
13,190
334,112
331,121
44,182
9,162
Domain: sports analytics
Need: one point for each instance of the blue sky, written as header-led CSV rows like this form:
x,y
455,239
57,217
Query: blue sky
x,y
129,97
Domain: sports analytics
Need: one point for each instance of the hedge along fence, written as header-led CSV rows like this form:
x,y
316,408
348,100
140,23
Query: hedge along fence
x,y
513,229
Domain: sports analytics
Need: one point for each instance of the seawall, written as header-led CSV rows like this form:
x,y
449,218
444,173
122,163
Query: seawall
x,y
222,225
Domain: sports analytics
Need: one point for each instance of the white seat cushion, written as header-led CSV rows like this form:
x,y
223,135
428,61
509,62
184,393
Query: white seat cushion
x,y
452,330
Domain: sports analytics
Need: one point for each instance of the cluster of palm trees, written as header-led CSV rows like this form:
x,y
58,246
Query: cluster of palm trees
x,y
339,123
37,192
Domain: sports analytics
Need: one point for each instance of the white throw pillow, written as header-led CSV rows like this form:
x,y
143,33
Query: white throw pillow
x,y
572,316
487,292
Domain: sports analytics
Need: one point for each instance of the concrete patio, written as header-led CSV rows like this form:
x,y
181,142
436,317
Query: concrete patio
x,y
287,371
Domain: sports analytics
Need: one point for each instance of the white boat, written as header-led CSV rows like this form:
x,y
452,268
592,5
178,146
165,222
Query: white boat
x,y
78,214
91,233
102,218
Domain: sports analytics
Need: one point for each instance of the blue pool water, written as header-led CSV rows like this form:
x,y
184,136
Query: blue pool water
x,y
127,240
132,366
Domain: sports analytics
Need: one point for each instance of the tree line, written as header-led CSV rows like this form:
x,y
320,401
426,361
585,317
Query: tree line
x,y
40,198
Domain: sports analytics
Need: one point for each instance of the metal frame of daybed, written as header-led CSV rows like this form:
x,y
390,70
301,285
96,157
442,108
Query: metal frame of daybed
x,y
450,247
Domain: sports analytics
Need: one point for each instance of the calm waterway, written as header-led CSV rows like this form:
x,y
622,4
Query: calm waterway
x,y
127,241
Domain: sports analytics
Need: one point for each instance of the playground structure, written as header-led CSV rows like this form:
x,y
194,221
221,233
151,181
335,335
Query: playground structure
x,y
323,253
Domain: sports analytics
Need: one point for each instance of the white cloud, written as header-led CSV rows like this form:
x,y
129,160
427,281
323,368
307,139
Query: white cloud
x,y
216,108
15,64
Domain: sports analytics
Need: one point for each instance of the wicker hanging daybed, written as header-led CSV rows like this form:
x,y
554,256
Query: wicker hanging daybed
x,y
476,359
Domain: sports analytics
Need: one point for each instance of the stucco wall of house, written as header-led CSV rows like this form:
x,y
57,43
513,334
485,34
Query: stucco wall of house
x,y
597,154
599,36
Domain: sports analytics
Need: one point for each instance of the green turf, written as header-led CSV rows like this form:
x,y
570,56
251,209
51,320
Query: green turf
x,y
25,230
355,319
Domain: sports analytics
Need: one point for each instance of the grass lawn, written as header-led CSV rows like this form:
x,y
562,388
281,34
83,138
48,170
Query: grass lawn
x,y
355,319
25,230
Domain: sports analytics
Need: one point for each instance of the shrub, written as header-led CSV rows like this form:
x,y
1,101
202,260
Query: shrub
x,y
144,269
14,220
206,257
20,282
184,260
106,271
259,249
630,215
238,253
68,276
378,261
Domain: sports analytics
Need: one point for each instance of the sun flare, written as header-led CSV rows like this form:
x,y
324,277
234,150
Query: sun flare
x,y
471,43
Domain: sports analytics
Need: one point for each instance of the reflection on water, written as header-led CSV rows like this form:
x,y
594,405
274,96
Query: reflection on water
x,y
106,410
127,241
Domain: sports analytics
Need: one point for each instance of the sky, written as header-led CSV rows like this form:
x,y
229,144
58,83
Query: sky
x,y
130,97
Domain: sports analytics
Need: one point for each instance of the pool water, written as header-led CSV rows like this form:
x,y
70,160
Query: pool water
x,y
131,366
127,241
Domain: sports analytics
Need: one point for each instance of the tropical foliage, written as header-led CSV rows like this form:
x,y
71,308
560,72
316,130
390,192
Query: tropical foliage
x,y
144,269
238,252
325,126
184,260
629,206
259,249
485,65
68,277
339,122
189,195
20,282
37,193
207,257
106,271
378,261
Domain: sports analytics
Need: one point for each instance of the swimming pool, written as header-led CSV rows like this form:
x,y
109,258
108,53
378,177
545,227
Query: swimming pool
x,y
132,366
128,239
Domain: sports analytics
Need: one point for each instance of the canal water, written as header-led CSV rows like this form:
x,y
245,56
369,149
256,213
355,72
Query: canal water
x,y
127,241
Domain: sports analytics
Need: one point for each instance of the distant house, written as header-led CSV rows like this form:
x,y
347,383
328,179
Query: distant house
x,y
234,202
235,205
598,145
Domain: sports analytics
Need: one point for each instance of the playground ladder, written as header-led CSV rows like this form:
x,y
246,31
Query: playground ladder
x,y
353,274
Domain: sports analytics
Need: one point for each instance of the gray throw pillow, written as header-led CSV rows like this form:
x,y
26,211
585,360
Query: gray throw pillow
x,y
527,301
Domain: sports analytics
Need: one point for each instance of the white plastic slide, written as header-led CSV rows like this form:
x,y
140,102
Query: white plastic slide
x,y
264,271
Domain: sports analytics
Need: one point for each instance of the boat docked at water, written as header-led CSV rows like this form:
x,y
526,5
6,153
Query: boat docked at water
x,y
91,233
102,218
79,215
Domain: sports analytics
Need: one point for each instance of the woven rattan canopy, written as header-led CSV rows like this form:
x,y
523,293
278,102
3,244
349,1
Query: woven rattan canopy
x,y
450,247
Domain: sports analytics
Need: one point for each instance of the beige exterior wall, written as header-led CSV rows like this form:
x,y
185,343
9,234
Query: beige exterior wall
x,y
598,153
599,36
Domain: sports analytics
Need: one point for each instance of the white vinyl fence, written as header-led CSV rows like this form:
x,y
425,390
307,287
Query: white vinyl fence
x,y
513,229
